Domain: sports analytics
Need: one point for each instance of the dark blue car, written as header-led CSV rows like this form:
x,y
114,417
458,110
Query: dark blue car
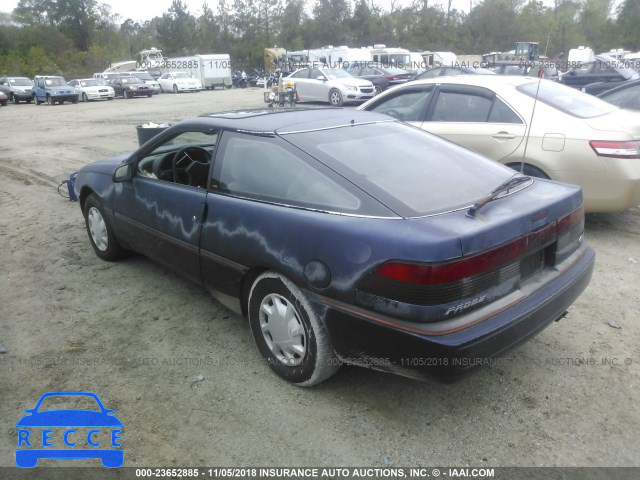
x,y
39,429
346,236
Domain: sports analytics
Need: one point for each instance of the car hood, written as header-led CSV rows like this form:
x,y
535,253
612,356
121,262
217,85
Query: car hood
x,y
96,88
352,82
69,418
106,165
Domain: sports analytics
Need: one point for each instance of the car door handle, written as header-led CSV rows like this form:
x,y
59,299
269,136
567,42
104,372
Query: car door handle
x,y
504,136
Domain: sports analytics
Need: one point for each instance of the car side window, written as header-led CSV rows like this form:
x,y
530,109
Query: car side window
x,y
184,158
315,73
452,71
502,113
434,72
461,107
406,105
300,74
267,169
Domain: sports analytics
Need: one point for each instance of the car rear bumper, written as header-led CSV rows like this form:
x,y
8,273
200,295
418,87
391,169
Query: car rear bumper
x,y
362,340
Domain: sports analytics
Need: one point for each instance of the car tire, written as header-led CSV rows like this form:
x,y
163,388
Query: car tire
x,y
101,236
278,308
377,89
161,89
175,89
75,100
529,170
14,99
85,99
36,101
150,95
50,100
4,103
335,98
28,100
126,95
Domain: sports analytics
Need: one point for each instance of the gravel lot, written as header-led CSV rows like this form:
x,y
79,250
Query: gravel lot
x,y
184,376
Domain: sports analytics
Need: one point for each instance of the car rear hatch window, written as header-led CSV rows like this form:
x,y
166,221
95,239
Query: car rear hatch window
x,y
412,172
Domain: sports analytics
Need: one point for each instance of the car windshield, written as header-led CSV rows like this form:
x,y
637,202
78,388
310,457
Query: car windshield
x,y
407,169
336,73
567,99
90,83
69,402
21,82
56,82
144,76
395,71
131,80
181,75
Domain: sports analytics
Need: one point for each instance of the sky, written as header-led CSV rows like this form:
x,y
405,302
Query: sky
x,y
140,11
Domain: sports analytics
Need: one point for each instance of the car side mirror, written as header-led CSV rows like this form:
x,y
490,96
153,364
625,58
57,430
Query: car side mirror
x,y
123,173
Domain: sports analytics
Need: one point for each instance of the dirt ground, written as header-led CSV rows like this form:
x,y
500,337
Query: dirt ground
x,y
184,376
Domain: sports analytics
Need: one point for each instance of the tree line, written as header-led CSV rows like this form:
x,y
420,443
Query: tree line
x,y
78,37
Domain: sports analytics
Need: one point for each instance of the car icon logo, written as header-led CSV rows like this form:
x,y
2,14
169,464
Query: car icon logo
x,y
69,433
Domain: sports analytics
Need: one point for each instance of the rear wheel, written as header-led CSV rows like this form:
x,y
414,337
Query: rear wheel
x,y
335,98
529,170
289,333
101,235
35,100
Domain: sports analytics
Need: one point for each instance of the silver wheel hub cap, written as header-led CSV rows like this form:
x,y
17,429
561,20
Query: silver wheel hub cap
x,y
282,329
98,229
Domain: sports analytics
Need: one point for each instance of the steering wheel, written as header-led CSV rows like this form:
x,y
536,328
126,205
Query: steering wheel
x,y
181,162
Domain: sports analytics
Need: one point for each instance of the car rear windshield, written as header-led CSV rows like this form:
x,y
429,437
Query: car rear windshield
x,y
567,99
412,172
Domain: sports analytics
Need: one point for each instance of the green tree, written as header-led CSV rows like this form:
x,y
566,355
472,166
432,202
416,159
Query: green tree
x,y
627,24
177,30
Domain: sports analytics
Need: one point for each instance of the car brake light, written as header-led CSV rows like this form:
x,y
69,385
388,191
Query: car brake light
x,y
623,149
431,274
392,77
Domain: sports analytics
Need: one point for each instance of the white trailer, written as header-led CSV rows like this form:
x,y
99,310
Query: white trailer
x,y
213,70
335,57
392,56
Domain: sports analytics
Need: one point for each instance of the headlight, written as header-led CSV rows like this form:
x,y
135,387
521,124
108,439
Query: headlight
x,y
351,88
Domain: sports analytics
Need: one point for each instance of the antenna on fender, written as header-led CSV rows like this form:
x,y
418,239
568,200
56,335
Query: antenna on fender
x,y
533,111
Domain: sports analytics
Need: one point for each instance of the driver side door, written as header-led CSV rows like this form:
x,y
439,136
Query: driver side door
x,y
159,216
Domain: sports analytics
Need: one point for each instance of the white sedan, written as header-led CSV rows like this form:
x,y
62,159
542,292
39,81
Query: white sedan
x,y
330,85
92,89
179,82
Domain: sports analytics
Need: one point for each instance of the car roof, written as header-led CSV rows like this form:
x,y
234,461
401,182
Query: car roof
x,y
620,86
494,81
287,120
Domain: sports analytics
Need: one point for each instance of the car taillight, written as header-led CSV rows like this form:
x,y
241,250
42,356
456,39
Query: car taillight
x,y
623,149
432,284
392,77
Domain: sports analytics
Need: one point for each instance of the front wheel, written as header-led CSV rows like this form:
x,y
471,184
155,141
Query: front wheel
x,y
126,94
175,89
288,332
85,99
335,98
50,100
101,234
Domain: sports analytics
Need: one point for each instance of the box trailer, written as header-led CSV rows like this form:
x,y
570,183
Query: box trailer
x,y
213,70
